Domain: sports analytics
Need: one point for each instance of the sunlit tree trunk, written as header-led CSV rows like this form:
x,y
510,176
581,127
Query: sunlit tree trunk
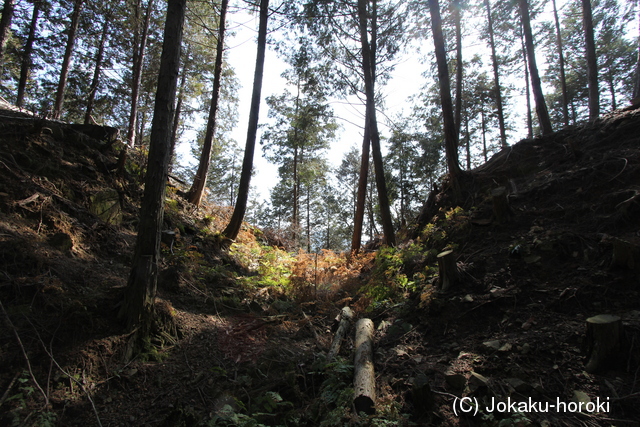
x,y
358,221
25,68
197,188
138,306
66,60
536,87
96,72
368,67
450,134
233,228
592,60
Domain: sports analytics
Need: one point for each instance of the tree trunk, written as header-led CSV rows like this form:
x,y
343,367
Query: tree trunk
x,y
358,221
176,116
66,60
563,79
636,85
25,68
536,87
496,77
138,307
96,72
592,60
138,62
5,26
368,68
527,89
364,379
450,135
456,18
199,181
233,228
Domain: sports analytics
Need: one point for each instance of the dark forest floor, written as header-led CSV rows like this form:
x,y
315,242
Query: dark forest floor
x,y
251,349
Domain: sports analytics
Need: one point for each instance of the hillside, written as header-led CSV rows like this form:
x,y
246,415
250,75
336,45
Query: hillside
x,y
254,323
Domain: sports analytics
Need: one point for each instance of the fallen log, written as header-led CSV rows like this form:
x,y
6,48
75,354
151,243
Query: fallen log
x,y
364,380
346,317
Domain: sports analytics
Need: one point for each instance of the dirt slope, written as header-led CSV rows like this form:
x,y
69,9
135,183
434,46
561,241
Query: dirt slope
x,y
513,327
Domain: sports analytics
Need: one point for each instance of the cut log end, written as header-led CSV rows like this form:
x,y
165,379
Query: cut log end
x,y
604,342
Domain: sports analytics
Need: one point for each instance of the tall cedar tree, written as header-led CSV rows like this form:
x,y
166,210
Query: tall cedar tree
x,y
139,49
496,76
592,60
368,61
25,67
5,26
358,220
97,70
197,188
450,134
66,60
536,87
233,228
563,77
138,306
457,12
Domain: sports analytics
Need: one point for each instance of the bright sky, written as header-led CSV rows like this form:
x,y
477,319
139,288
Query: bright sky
x,y
242,55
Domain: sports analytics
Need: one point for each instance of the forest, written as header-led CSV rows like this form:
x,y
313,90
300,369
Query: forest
x,y
139,259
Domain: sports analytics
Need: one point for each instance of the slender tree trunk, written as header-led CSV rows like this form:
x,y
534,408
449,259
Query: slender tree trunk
x,y
456,18
25,68
358,220
612,89
138,62
636,85
484,135
527,90
197,188
138,306
97,70
467,141
368,61
536,87
592,60
66,60
496,76
233,228
450,135
176,116
5,26
563,78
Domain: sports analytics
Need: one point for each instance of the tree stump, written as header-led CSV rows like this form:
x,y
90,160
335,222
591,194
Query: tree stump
x,y
604,338
346,316
448,270
625,254
501,209
364,380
